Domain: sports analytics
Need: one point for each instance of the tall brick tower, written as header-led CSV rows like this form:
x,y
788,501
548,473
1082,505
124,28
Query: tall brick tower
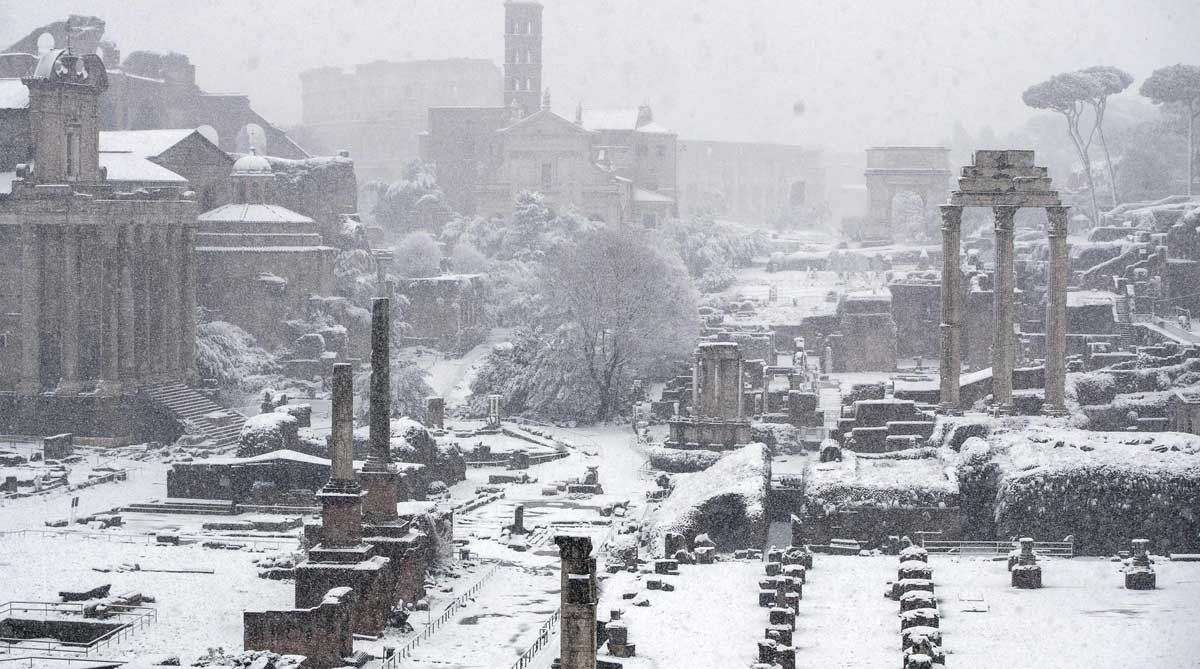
x,y
523,56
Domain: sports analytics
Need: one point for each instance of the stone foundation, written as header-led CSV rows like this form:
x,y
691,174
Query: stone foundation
x,y
322,633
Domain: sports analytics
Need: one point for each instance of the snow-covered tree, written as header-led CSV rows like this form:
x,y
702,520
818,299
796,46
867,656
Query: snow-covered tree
x,y
1109,81
1178,86
415,202
418,254
1070,94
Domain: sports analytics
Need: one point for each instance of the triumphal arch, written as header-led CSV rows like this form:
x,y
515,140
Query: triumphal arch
x,y
891,170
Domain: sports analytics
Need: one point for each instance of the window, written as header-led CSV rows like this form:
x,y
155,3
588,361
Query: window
x,y
72,155
547,176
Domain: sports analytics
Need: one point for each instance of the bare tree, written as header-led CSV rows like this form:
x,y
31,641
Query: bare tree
x,y
1179,86
1109,81
629,303
1069,94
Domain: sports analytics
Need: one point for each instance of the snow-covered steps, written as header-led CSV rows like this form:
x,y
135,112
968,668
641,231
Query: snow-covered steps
x,y
197,412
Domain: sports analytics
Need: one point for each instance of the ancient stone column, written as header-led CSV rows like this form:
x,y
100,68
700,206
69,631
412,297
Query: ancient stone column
x,y
577,648
341,498
127,314
435,413
1056,311
31,310
69,325
378,476
172,302
187,297
110,282
951,326
696,375
1002,310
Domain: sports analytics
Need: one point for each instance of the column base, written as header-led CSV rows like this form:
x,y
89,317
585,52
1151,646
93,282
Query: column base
x,y
1054,411
108,388
68,388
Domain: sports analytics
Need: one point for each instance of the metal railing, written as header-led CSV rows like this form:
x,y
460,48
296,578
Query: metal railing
x,y
68,662
446,615
130,619
547,630
1063,549
275,543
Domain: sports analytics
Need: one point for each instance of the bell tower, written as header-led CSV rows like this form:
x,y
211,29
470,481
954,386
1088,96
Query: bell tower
x,y
523,55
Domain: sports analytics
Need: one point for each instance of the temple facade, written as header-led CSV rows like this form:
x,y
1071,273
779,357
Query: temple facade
x,y
100,284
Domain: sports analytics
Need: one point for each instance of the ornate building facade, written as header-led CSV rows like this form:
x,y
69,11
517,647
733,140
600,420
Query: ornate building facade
x,y
100,284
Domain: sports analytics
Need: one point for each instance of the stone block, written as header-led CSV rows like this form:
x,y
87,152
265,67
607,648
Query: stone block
x,y
796,571
766,651
766,598
1139,579
919,618
785,657
781,634
774,568
1027,576
666,566
780,615
705,555
911,635
917,599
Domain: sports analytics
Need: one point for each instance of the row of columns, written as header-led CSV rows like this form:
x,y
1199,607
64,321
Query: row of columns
x,y
143,285
1003,337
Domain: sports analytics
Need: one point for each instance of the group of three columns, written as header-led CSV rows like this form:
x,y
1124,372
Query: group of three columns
x,y
1003,288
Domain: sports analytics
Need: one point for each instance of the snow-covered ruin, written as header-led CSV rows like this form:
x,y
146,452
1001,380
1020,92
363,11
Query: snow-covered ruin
x,y
435,370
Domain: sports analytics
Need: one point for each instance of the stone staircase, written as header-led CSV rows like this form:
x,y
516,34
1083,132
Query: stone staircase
x,y
210,419
194,507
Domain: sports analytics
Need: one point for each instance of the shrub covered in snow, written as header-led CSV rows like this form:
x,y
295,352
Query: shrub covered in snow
x,y
726,501
677,460
1104,489
230,355
267,432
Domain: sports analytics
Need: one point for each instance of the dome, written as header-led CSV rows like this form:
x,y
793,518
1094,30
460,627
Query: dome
x,y
252,164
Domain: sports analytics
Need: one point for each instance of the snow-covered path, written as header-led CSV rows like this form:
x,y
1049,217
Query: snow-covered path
x,y
451,377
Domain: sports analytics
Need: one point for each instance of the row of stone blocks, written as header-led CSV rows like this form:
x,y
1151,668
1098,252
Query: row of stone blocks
x,y
781,591
920,620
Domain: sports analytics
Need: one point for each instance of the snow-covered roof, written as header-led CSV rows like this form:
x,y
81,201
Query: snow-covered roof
x,y
253,213
144,143
6,181
622,118
13,94
1084,298
640,195
132,167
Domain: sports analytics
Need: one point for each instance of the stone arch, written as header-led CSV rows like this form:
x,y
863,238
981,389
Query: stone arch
x,y
45,42
891,169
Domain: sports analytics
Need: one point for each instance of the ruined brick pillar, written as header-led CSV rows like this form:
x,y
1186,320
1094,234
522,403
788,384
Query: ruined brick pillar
x,y
378,475
578,618
1056,311
1003,351
341,498
951,326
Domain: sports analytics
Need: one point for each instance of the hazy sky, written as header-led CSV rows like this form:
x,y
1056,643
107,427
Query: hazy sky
x,y
867,72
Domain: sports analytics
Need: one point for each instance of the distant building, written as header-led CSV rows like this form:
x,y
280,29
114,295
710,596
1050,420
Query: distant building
x,y
523,56
445,312
378,110
259,262
553,156
150,90
635,147
751,182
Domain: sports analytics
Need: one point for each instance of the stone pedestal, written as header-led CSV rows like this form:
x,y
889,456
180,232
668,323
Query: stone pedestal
x,y
579,596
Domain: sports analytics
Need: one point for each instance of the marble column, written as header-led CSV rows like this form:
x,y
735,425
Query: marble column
x,y
31,310
110,263
951,325
187,297
1002,310
69,326
341,498
379,478
127,314
172,290
1056,310
696,375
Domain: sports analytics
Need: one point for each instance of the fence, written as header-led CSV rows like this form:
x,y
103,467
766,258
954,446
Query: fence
x,y
446,615
1063,549
275,543
548,629
131,618
67,662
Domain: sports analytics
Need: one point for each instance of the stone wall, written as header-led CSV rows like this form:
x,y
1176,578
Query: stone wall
x,y
322,633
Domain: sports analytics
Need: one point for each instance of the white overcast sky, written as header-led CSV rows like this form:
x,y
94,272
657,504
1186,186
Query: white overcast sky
x,y
868,72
